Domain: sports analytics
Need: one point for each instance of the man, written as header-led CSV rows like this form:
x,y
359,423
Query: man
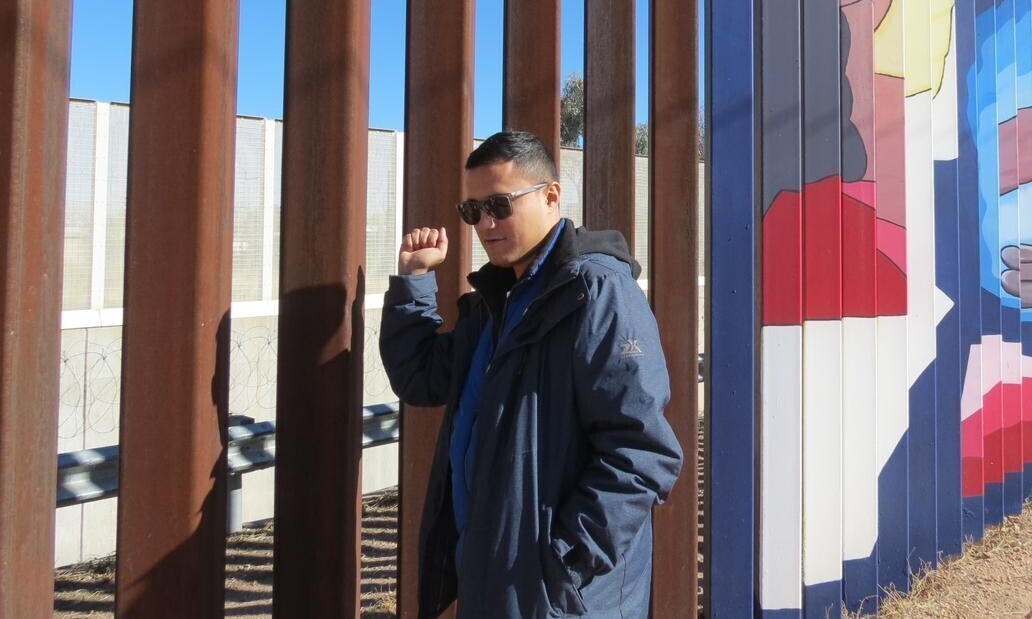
x,y
554,447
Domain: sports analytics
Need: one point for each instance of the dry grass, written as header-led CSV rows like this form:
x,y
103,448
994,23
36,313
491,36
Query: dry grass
x,y
992,579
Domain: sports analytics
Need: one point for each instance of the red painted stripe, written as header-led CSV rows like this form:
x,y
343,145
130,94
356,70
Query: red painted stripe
x,y
971,436
782,261
1026,417
992,438
822,249
1013,459
971,477
997,435
892,288
892,241
877,285
859,258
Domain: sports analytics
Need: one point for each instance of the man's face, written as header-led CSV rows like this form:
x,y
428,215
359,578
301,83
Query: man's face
x,y
510,242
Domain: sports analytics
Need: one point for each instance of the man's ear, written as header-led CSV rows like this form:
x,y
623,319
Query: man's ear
x,y
552,193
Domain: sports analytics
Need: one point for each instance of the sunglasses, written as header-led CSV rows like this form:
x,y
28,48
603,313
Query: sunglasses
x,y
498,206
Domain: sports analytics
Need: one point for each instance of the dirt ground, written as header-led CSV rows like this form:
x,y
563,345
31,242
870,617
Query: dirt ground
x,y
88,589
993,579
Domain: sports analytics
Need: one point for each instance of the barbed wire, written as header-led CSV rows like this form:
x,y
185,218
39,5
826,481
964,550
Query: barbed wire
x,y
91,379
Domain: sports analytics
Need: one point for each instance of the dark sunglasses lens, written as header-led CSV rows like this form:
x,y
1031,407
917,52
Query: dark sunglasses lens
x,y
499,207
470,212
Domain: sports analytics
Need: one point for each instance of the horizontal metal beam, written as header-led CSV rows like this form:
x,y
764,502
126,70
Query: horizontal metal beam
x,y
92,474
88,475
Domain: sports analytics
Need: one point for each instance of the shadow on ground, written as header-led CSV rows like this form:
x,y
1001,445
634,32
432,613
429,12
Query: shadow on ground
x,y
88,589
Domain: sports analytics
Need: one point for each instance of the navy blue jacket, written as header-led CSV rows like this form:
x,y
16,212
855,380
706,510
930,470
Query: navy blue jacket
x,y
572,446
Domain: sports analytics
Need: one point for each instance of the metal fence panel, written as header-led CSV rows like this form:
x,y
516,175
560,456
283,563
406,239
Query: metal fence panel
x,y
609,117
321,332
673,232
438,136
177,298
34,51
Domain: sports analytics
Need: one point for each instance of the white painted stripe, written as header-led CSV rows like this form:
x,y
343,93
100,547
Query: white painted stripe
x,y
990,363
920,216
1010,366
991,353
944,104
822,451
893,417
859,403
971,396
98,272
781,456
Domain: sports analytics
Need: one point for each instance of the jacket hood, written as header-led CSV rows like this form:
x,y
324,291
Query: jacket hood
x,y
577,242
571,245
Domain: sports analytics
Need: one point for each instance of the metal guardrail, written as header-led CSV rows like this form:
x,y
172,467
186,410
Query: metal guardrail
x,y
92,474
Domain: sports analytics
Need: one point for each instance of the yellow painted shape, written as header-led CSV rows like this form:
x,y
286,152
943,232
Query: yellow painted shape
x,y
913,44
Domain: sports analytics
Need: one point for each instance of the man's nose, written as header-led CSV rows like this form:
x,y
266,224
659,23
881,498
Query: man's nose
x,y
486,222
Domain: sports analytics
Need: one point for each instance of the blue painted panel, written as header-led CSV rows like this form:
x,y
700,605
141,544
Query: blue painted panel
x,y
1028,479
860,584
1012,493
948,375
921,471
993,507
1009,230
893,540
823,600
733,283
973,514
969,292
1023,39
987,143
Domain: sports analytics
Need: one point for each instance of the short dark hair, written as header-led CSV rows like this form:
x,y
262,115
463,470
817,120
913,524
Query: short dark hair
x,y
523,148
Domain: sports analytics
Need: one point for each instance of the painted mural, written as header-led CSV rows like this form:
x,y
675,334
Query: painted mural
x,y
895,289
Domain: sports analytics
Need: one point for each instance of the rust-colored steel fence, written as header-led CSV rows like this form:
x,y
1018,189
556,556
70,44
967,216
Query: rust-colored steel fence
x,y
175,351
171,520
34,51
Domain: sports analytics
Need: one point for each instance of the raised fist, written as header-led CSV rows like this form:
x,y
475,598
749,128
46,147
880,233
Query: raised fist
x,y
1017,272
421,250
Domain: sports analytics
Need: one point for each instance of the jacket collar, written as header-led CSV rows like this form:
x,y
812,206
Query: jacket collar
x,y
494,282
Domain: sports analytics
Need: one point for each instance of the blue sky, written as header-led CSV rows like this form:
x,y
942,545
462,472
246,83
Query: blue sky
x,y
101,50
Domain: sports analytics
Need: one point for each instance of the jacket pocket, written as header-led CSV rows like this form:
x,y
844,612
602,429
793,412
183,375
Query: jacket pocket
x,y
563,595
